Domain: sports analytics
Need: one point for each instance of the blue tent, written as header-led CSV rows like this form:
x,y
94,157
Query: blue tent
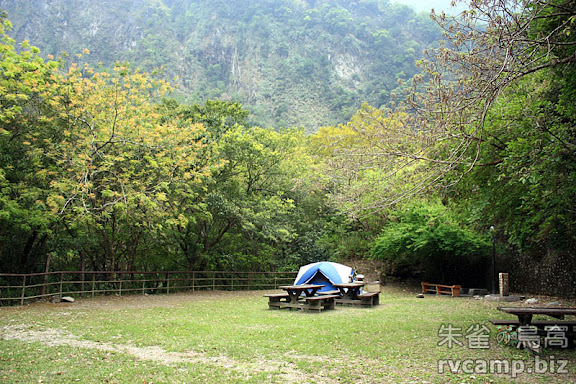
x,y
326,273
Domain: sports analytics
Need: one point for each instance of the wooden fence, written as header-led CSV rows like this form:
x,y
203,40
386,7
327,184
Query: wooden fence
x,y
20,288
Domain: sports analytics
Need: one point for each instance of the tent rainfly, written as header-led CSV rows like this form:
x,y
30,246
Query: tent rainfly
x,y
326,273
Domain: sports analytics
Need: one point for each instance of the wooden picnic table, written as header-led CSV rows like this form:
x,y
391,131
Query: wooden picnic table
x,y
301,297
296,291
349,291
525,319
525,314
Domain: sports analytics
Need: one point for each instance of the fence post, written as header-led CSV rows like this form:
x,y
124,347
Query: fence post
x,y
93,282
23,290
82,279
193,282
44,283
120,284
61,283
167,283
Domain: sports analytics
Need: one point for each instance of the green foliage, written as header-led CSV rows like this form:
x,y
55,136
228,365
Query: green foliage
x,y
429,235
97,171
530,191
251,52
345,240
25,220
248,215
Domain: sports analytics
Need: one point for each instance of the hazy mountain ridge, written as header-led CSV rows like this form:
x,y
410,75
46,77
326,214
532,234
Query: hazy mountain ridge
x,y
290,62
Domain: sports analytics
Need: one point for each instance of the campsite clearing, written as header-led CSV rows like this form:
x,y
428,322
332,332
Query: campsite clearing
x,y
233,337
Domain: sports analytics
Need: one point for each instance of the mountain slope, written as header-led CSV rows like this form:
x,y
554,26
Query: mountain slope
x,y
289,62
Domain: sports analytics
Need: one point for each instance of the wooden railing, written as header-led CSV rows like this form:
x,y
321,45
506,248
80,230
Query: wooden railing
x,y
20,288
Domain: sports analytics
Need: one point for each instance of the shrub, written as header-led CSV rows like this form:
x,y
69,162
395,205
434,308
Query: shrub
x,y
430,237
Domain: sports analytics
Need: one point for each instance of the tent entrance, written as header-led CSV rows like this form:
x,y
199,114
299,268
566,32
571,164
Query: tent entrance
x,y
320,278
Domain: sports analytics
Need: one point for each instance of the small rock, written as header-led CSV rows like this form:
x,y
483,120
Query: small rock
x,y
478,297
532,301
420,295
553,304
67,299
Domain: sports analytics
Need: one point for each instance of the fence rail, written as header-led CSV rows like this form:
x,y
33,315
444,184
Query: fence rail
x,y
36,286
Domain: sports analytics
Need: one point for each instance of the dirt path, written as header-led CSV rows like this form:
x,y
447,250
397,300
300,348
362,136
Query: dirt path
x,y
289,372
54,338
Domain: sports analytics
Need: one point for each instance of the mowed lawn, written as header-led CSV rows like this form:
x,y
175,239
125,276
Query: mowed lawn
x,y
232,337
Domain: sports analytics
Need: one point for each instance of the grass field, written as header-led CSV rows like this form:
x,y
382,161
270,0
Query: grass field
x,y
232,337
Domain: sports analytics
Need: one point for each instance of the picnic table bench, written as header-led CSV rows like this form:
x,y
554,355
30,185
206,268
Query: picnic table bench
x,y
321,302
333,292
440,289
276,299
369,299
302,297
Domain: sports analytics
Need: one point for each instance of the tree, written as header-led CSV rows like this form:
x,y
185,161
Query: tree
x,y
486,50
507,122
98,171
102,162
25,223
119,164
372,161
245,211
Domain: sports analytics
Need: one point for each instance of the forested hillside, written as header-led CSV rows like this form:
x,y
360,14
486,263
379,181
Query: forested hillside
x,y
289,62
100,169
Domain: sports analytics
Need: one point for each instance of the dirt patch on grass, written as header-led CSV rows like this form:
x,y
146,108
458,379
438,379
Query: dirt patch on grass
x,y
284,371
54,338
158,300
136,301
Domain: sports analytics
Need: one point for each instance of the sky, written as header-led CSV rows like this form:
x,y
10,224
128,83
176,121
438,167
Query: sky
x,y
427,5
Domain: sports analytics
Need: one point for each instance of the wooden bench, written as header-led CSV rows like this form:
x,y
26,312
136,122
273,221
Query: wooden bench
x,y
440,289
277,300
318,303
366,299
369,298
